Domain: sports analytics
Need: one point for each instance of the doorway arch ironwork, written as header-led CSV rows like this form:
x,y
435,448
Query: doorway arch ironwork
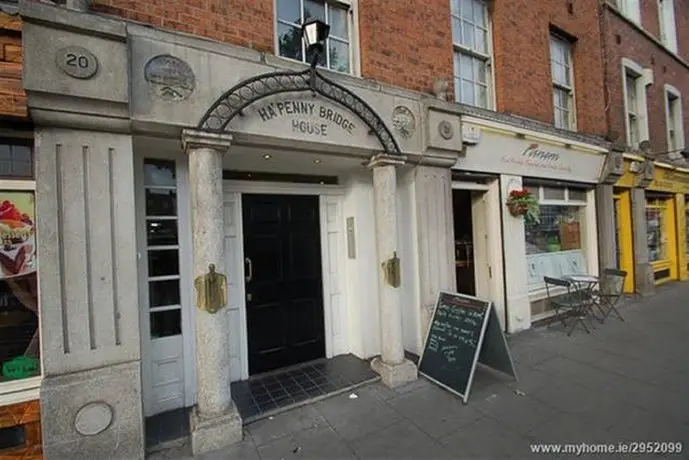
x,y
235,100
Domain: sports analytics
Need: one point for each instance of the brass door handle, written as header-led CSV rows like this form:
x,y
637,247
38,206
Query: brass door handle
x,y
250,270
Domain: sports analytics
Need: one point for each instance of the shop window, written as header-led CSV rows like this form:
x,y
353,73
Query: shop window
x,y
162,248
555,245
291,14
472,52
19,330
563,82
656,211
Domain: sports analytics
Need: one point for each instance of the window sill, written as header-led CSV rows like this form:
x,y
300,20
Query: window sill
x,y
20,391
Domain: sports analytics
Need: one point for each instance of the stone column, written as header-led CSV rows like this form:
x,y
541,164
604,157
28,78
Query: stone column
x,y
215,422
605,204
644,282
393,368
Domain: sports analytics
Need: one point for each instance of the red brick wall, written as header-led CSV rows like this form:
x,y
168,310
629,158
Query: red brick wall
x,y
522,59
247,23
406,44
12,96
666,70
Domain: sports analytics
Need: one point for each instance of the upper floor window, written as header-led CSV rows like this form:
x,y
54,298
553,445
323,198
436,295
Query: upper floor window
x,y
631,9
668,29
563,82
291,14
675,131
635,106
472,54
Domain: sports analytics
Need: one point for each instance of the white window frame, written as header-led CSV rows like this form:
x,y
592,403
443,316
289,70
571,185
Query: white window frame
x,y
631,9
459,49
674,116
667,24
28,389
353,39
641,79
572,116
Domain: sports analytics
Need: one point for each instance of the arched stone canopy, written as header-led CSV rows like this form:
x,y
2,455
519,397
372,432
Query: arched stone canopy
x,y
234,101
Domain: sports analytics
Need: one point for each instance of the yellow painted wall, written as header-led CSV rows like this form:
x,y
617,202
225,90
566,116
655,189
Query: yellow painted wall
x,y
623,204
682,249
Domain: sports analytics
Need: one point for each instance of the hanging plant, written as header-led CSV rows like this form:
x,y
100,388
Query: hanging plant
x,y
523,203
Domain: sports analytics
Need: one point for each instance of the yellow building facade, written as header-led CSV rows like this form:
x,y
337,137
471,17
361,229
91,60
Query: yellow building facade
x,y
665,223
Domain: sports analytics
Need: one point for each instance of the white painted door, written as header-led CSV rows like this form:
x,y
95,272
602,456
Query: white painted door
x,y
234,255
162,292
332,254
482,268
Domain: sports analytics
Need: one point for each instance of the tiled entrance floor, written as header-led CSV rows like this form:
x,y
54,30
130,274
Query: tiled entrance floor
x,y
267,394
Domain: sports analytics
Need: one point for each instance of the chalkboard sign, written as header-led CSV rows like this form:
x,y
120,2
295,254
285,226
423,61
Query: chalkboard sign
x,y
454,340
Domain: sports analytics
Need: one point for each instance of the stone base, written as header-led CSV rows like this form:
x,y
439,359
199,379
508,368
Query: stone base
x,y
213,433
93,414
394,375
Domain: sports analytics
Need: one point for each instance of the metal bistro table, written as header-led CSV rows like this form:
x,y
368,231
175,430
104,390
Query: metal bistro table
x,y
586,284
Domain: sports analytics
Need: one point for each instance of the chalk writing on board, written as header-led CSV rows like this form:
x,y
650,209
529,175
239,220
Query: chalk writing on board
x,y
449,352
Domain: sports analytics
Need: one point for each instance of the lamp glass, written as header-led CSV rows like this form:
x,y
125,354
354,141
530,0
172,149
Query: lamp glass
x,y
314,32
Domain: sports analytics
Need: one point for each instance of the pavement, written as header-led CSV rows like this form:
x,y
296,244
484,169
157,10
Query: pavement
x,y
626,384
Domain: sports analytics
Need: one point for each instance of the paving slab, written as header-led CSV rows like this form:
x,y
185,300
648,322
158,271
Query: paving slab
x,y
626,381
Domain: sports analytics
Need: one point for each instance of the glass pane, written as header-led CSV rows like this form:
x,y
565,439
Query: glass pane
x,y
339,56
456,30
16,161
161,232
161,202
466,67
654,234
559,74
322,59
289,41
577,195
19,334
163,263
289,11
466,10
468,96
552,193
163,293
166,323
338,23
481,41
467,35
314,9
454,6
482,96
558,230
479,13
559,118
479,71
458,89
160,172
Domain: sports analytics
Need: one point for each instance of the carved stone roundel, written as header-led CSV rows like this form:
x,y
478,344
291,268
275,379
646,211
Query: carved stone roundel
x,y
170,77
403,121
445,130
93,418
77,62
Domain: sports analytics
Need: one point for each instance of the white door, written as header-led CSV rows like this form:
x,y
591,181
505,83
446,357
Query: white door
x,y
162,291
482,268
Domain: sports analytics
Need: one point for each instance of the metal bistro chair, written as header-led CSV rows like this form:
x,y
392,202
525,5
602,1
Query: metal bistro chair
x,y
611,291
574,303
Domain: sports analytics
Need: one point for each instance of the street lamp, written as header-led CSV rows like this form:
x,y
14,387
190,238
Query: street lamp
x,y
314,32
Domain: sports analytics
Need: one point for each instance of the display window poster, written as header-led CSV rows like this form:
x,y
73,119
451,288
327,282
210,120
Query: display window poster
x,y
17,234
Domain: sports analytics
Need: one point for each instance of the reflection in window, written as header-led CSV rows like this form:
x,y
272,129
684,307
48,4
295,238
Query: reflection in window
x,y
559,229
293,13
655,217
16,161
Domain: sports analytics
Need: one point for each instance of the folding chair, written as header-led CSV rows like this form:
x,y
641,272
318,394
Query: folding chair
x,y
573,303
611,291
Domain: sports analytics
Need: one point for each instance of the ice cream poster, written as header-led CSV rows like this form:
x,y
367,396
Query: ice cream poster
x,y
17,234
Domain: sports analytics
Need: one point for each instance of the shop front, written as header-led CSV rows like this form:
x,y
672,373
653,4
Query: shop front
x,y
652,241
211,214
559,176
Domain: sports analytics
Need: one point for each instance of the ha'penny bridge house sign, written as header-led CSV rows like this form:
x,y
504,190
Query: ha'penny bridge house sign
x,y
307,117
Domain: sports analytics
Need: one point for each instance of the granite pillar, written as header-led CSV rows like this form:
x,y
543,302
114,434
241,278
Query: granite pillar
x,y
215,420
605,204
644,282
392,366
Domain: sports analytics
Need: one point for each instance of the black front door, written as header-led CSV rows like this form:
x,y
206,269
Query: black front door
x,y
284,289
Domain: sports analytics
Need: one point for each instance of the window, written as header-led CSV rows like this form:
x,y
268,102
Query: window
x,y
291,14
634,83
162,248
668,28
471,39
631,9
563,84
656,213
19,331
675,130
555,245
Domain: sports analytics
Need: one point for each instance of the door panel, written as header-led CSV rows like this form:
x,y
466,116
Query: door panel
x,y
284,290
235,280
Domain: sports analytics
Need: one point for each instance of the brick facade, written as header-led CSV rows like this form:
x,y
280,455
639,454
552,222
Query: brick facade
x,y
522,59
625,40
12,96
